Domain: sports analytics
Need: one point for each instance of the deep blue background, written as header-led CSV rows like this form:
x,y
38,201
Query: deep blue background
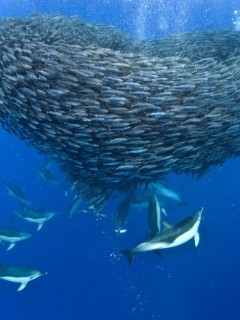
x,y
87,276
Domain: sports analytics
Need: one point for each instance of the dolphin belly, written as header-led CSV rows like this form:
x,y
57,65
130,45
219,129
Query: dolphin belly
x,y
10,239
16,279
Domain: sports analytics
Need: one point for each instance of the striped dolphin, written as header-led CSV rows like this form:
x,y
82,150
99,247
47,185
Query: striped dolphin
x,y
171,237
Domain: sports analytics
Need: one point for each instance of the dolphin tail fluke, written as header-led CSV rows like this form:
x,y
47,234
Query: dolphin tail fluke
x,y
129,255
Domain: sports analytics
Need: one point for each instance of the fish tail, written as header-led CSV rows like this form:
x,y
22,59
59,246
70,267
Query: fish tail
x,y
129,255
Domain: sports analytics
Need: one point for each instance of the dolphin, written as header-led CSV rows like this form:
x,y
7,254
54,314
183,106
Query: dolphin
x,y
17,192
122,213
38,216
139,199
161,190
12,236
47,175
154,216
171,237
20,275
74,206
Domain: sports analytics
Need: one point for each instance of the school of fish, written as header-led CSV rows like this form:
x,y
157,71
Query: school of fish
x,y
110,114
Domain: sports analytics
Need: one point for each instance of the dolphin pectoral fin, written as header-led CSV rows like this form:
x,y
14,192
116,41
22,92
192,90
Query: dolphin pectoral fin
x,y
164,211
129,255
11,246
40,226
196,239
22,286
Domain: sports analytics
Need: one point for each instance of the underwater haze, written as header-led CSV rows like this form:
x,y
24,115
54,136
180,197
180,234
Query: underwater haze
x,y
88,277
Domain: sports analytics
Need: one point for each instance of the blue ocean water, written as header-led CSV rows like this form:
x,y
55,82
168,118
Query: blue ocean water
x,y
87,276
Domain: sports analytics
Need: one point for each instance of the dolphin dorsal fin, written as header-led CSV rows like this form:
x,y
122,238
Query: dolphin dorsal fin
x,y
22,286
167,225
